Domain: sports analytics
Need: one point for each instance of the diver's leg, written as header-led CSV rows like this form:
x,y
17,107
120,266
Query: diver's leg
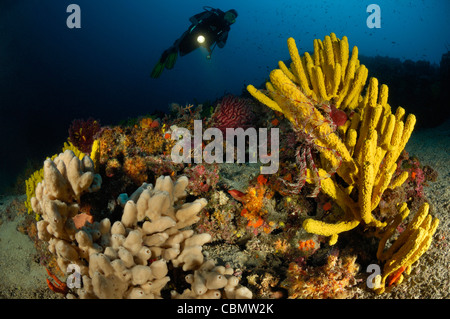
x,y
166,60
172,49
183,43
169,57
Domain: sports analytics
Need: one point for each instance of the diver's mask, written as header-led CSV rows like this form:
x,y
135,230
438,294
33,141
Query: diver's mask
x,y
230,16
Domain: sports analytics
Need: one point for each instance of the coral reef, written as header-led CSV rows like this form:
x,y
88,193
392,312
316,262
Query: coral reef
x,y
148,122
134,154
411,191
186,113
218,219
254,203
342,167
417,176
136,168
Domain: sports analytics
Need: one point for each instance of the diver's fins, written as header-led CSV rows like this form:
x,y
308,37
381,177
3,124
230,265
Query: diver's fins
x,y
157,70
166,61
171,59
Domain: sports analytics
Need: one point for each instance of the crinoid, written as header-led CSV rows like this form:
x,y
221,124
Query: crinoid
x,y
308,140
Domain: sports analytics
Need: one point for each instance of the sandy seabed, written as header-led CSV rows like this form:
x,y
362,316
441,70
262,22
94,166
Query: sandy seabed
x,y
22,278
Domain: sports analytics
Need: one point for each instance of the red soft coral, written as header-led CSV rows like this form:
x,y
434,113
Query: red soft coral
x,y
233,112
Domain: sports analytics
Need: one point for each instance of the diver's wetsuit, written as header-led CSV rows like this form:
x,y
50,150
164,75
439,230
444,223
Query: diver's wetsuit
x,y
211,24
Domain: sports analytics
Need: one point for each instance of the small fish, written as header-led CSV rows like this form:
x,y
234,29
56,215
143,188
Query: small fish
x,y
237,195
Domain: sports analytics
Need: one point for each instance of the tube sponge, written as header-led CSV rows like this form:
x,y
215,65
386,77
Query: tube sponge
x,y
209,279
128,259
368,146
412,243
326,229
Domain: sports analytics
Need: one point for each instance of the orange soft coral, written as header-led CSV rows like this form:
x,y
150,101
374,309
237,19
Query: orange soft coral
x,y
136,168
148,122
253,202
306,245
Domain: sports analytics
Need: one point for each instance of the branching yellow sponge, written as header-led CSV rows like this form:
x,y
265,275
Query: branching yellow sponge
x,y
326,229
285,96
399,180
73,148
95,153
412,243
30,185
369,144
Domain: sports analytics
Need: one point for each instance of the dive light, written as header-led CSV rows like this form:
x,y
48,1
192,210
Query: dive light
x,y
200,39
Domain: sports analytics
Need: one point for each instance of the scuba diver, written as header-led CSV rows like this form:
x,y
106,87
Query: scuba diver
x,y
208,28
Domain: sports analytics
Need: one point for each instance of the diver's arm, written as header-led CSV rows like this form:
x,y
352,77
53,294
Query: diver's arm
x,y
195,18
200,16
222,40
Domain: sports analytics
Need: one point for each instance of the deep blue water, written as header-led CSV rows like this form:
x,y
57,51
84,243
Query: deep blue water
x,y
50,74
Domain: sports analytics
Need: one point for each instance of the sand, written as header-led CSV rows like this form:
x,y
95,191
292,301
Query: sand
x,y
22,277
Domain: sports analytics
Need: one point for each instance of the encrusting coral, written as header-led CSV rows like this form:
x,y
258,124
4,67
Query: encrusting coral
x,y
331,281
132,151
128,259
